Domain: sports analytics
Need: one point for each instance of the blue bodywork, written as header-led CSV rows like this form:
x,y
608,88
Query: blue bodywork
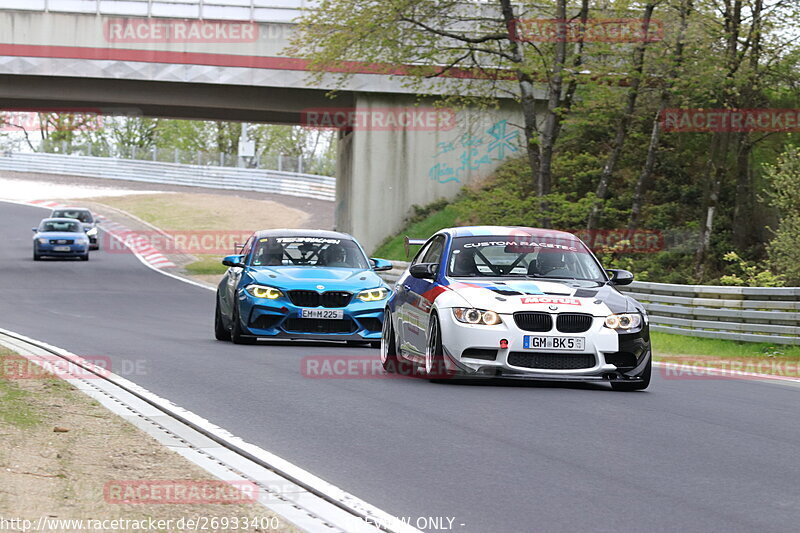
x,y
328,290
69,243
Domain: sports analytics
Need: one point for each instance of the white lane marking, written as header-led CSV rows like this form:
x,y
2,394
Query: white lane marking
x,y
375,516
692,370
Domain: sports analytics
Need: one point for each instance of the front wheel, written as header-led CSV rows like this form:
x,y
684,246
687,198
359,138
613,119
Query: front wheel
x,y
85,257
220,331
435,367
36,257
237,335
636,385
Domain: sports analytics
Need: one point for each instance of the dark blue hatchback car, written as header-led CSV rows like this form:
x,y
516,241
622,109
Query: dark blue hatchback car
x,y
60,237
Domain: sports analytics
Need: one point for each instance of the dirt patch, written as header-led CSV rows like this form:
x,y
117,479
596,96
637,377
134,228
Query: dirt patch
x,y
56,461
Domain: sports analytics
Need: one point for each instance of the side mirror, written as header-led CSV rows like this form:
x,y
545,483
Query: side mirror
x,y
34,229
619,276
380,265
233,261
424,270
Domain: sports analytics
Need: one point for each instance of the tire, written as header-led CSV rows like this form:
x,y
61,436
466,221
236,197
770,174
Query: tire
x,y
220,331
375,344
391,362
638,385
36,257
237,335
85,257
435,367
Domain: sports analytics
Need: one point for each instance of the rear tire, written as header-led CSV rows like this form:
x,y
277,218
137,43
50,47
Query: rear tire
x,y
220,331
637,385
237,335
392,363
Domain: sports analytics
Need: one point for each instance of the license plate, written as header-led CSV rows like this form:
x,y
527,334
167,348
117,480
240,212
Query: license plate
x,y
332,314
534,342
61,248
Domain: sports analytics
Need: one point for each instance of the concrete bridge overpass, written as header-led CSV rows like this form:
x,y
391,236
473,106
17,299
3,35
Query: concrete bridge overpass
x,y
225,60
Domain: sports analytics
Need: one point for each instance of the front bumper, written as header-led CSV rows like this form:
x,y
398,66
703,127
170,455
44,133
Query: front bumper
x,y
475,350
75,250
280,318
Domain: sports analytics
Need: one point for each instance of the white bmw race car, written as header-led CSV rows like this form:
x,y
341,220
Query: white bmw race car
x,y
511,302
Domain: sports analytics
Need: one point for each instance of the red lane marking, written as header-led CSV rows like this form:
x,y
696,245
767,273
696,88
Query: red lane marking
x,y
221,60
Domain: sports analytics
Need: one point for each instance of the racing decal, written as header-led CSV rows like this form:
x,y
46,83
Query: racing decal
x,y
522,245
427,298
516,288
316,240
616,302
553,300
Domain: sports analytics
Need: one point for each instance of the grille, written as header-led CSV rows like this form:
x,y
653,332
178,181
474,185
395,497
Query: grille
x,y
315,299
573,322
480,353
335,299
551,361
533,321
61,241
621,359
371,324
304,298
319,325
265,321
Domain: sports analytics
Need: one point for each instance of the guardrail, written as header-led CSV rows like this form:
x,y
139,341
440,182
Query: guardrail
x,y
251,10
750,314
245,179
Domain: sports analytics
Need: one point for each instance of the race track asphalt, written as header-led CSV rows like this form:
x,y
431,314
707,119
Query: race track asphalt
x,y
686,455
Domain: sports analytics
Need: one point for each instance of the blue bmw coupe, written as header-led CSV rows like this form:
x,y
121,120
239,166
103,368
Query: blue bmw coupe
x,y
301,284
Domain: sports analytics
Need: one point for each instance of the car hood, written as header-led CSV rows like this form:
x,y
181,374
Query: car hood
x,y
311,277
510,296
58,235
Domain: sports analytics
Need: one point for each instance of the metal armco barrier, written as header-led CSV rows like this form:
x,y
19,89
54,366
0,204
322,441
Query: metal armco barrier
x,y
245,179
750,314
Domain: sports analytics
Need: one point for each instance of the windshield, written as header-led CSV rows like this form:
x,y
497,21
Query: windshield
x,y
309,251
523,256
60,225
82,215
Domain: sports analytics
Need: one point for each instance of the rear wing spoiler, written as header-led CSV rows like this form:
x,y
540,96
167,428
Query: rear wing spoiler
x,y
408,243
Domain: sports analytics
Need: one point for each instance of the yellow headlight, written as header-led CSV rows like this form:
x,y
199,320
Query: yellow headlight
x,y
259,291
373,295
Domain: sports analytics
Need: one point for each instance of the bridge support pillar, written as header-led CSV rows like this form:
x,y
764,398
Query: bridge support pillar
x,y
384,170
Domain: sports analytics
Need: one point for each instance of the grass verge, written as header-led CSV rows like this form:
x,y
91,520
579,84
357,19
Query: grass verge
x,y
666,344
422,228
60,450
206,266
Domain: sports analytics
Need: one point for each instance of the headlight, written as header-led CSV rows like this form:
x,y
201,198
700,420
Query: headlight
x,y
469,315
624,321
262,291
42,241
373,295
92,232
81,241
